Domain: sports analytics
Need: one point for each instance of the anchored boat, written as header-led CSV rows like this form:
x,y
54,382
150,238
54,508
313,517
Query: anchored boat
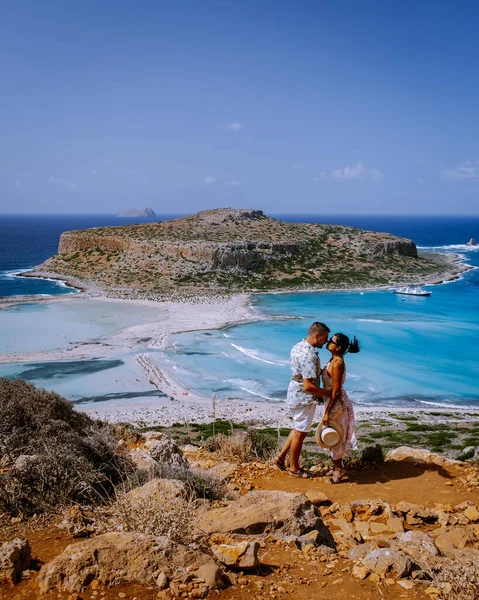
x,y
412,291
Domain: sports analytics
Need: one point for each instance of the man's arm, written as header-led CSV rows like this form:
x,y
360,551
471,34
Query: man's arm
x,y
314,390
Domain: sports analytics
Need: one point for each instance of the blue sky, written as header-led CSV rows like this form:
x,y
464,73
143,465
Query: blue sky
x,y
289,106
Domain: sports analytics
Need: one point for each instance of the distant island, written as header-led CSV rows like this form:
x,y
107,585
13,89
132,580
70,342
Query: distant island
x,y
227,251
141,212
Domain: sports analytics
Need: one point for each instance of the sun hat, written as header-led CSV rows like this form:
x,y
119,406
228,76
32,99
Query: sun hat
x,y
329,435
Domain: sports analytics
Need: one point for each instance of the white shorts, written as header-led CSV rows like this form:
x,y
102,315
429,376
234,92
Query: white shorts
x,y
303,417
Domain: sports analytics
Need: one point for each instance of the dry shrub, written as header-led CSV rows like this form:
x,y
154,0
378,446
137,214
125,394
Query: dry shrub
x,y
244,446
460,571
159,515
374,454
53,455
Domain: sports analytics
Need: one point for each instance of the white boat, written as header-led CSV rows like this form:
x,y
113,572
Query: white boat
x,y
412,291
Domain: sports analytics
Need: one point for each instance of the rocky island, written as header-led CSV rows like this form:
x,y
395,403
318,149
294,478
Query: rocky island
x,y
142,213
224,251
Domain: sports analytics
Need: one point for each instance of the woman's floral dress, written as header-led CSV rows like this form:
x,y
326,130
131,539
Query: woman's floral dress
x,y
343,414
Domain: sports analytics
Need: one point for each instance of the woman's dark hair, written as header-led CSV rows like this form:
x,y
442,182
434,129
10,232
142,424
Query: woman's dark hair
x,y
345,344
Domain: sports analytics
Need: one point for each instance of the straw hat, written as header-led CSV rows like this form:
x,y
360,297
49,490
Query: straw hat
x,y
329,435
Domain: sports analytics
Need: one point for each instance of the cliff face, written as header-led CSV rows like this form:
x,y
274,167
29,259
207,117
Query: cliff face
x,y
230,250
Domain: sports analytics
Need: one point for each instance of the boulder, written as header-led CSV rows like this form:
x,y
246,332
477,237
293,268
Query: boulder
x,y
243,555
157,489
211,574
167,453
143,460
419,456
263,512
15,557
456,537
384,560
114,558
362,550
419,545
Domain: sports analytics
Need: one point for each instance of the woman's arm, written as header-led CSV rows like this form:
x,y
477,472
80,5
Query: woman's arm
x,y
337,372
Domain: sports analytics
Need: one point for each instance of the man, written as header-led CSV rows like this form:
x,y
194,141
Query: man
x,y
303,395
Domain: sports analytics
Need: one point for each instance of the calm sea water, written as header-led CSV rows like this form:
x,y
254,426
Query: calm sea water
x,y
414,350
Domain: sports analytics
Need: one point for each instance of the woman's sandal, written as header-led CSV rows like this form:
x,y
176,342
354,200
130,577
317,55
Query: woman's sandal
x,y
301,473
338,476
279,463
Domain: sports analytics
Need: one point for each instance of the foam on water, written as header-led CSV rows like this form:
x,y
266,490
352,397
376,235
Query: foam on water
x,y
256,355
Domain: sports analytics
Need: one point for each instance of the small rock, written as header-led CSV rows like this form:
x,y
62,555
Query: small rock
x,y
360,571
200,592
406,584
243,555
15,557
472,514
162,581
121,595
316,497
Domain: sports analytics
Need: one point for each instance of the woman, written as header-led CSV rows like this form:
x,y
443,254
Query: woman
x,y
338,407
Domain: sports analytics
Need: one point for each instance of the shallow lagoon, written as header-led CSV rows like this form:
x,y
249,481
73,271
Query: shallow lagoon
x,y
36,327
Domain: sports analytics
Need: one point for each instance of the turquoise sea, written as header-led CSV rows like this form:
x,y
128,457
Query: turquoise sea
x,y
415,351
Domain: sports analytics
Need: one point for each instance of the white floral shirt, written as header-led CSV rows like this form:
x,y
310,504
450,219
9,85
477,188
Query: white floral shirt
x,y
304,363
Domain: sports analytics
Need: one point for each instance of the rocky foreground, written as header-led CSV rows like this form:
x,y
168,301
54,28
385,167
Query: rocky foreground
x,y
267,538
225,250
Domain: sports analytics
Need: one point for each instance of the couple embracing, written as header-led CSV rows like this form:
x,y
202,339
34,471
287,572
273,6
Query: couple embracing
x,y
304,393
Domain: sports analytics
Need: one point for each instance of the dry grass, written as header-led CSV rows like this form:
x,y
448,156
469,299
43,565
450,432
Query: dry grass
x,y
244,446
156,515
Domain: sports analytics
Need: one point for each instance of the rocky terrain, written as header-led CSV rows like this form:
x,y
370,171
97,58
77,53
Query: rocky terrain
x,y
89,510
225,251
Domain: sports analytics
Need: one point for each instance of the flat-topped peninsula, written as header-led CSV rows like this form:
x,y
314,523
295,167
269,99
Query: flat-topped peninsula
x,y
224,251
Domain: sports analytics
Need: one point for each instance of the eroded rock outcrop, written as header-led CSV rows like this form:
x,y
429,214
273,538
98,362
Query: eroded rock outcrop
x,y
263,512
114,558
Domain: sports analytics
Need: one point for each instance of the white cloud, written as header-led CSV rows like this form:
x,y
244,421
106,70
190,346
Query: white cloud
x,y
235,126
233,183
209,179
466,171
296,167
56,181
359,171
